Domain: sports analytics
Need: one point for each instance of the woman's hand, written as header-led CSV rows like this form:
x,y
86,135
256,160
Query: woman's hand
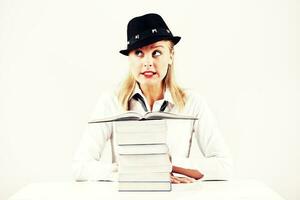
x,y
176,179
192,173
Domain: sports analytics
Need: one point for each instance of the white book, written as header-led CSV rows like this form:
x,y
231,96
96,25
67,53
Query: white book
x,y
144,126
140,132
145,168
135,116
142,149
144,186
161,176
144,160
140,138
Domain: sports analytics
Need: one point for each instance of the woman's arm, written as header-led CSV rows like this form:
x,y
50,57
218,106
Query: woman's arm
x,y
216,163
86,162
208,154
192,173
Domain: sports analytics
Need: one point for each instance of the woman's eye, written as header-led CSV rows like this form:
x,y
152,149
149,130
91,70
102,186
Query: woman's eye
x,y
138,53
156,53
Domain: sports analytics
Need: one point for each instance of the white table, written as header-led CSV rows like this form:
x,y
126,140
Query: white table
x,y
200,190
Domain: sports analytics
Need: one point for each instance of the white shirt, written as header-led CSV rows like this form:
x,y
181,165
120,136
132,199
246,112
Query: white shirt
x,y
192,144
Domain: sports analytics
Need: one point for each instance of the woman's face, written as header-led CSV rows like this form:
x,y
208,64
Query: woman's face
x,y
149,64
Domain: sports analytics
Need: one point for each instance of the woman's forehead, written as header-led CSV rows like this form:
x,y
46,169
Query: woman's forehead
x,y
163,44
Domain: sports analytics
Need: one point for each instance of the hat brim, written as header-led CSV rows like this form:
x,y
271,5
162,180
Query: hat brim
x,y
147,41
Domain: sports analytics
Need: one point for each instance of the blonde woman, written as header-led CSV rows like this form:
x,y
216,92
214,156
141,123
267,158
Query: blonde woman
x,y
197,149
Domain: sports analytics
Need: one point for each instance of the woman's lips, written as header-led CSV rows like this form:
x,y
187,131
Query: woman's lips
x,y
148,74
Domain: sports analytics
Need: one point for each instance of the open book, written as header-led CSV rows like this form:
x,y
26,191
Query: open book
x,y
135,116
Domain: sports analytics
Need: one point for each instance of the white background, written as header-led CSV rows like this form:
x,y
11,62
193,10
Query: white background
x,y
56,57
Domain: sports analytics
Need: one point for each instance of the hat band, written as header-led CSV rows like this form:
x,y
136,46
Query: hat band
x,y
149,33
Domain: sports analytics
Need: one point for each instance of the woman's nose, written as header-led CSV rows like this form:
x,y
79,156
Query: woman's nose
x,y
147,65
148,62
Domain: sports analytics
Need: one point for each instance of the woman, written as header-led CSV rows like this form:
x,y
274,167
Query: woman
x,y
150,86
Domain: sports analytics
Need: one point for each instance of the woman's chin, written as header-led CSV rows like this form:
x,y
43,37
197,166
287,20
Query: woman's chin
x,y
150,82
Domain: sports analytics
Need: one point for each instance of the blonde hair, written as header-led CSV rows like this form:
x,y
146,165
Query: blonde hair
x,y
169,82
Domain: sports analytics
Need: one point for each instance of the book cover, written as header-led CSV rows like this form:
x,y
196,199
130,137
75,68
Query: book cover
x,y
135,116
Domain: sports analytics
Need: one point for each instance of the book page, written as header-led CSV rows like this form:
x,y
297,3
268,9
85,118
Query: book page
x,y
166,115
127,116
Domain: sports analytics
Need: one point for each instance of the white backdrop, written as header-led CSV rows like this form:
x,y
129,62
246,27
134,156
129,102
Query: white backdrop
x,y
56,57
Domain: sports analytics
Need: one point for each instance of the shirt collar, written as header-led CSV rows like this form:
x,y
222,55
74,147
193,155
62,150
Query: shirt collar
x,y
167,94
137,90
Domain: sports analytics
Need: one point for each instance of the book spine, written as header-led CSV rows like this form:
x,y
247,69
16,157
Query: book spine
x,y
145,169
143,159
142,149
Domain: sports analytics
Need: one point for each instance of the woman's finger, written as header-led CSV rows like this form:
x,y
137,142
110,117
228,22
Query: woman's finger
x,y
185,179
174,180
190,180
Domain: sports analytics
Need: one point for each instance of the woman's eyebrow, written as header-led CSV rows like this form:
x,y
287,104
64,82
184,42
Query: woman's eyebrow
x,y
156,46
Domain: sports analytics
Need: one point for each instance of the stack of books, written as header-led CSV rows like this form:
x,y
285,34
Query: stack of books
x,y
144,163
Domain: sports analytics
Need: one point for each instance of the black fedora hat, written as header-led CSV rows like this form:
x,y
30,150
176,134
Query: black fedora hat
x,y
147,29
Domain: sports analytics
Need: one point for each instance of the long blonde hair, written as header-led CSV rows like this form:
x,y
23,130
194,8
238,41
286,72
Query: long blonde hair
x,y
169,82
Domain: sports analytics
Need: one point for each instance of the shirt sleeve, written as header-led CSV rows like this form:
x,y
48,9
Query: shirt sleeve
x,y
215,162
87,164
